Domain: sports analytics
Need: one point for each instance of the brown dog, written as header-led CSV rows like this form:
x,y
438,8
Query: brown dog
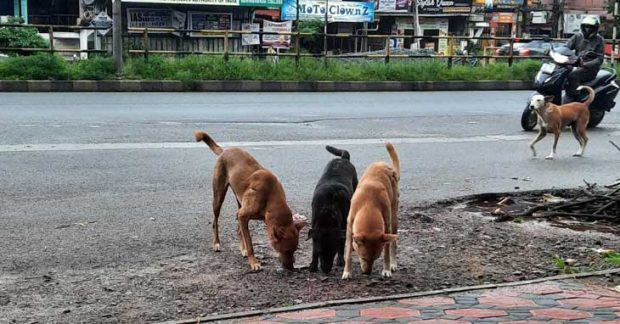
x,y
373,218
259,195
553,119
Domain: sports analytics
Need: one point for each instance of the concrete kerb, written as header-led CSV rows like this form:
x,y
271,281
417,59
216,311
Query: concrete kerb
x,y
332,303
255,85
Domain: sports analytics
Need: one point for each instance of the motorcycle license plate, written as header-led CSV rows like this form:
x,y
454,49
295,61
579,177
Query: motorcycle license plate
x,y
548,68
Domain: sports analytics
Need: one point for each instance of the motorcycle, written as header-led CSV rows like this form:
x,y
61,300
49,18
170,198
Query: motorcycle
x,y
550,81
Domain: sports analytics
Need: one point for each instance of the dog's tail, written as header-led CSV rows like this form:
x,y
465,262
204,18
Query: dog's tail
x,y
204,137
394,157
341,153
590,96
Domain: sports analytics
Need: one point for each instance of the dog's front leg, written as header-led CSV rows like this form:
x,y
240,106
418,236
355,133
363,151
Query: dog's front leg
x,y
314,265
556,137
340,257
245,233
348,249
387,273
541,134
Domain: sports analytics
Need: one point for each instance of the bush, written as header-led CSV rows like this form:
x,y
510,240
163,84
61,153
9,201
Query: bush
x,y
35,67
20,37
191,68
97,68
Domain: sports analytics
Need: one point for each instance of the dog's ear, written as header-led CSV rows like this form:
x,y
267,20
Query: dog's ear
x,y
389,238
549,98
310,234
277,233
359,239
299,224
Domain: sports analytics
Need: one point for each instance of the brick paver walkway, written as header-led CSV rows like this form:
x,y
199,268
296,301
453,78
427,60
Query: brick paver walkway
x,y
550,302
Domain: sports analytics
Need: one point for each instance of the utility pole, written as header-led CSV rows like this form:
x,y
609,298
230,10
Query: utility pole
x,y
416,21
524,11
615,33
117,37
556,18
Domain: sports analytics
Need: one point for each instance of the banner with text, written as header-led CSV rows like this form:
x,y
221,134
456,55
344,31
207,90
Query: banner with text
x,y
339,11
155,18
250,39
392,5
277,41
249,3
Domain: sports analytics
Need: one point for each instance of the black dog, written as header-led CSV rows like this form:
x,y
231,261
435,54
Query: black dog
x,y
330,209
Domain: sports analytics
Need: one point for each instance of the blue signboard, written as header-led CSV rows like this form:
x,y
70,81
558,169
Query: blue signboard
x,y
339,11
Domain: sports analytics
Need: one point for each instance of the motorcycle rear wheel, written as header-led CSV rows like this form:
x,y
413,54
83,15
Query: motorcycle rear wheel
x,y
596,117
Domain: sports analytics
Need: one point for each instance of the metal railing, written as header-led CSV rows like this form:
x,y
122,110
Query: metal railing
x,y
50,30
388,52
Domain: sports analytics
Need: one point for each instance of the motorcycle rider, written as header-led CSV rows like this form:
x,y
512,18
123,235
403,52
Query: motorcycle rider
x,y
589,48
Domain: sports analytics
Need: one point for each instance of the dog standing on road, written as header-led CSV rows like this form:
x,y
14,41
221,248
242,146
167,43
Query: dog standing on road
x,y
373,218
330,207
553,119
259,195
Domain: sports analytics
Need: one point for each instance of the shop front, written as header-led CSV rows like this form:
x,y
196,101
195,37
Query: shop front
x,y
503,16
194,25
443,18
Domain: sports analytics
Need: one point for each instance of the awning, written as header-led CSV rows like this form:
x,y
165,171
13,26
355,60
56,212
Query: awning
x,y
268,13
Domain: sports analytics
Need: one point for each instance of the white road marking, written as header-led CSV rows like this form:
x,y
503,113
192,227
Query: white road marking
x,y
192,145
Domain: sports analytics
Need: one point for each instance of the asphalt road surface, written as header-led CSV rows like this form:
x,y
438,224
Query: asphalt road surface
x,y
103,180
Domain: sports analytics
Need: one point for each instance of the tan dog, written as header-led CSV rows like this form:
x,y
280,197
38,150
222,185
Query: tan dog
x,y
373,218
259,195
553,119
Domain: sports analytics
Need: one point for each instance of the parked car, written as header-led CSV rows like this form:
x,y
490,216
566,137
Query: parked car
x,y
533,48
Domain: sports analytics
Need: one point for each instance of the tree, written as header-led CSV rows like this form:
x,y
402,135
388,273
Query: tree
x,y
20,37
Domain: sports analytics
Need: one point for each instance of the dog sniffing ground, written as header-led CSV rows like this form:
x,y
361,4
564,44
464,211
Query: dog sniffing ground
x,y
439,247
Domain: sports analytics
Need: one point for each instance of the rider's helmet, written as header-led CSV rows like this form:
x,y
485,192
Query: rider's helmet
x,y
589,26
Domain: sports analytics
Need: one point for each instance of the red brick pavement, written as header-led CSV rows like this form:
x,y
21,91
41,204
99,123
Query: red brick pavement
x,y
549,302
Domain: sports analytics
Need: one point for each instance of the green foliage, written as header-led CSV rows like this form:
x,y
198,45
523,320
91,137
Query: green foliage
x,y
312,26
192,68
20,37
561,265
35,67
97,68
612,258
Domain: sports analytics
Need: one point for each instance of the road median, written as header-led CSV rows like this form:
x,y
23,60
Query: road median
x,y
257,86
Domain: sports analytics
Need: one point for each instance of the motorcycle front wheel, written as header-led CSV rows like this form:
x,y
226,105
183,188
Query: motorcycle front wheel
x,y
529,119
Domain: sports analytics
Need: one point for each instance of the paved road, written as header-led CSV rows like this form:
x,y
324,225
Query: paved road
x,y
99,180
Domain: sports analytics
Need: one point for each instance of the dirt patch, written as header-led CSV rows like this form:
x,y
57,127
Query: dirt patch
x,y
440,246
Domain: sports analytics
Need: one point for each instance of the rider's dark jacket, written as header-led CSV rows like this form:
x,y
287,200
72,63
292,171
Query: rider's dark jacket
x,y
594,48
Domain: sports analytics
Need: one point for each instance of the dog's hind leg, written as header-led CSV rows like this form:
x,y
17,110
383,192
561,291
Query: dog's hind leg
x,y
220,186
579,132
541,134
394,227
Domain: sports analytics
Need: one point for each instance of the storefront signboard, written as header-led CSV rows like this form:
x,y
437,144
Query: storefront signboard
x,y
339,11
248,3
434,7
